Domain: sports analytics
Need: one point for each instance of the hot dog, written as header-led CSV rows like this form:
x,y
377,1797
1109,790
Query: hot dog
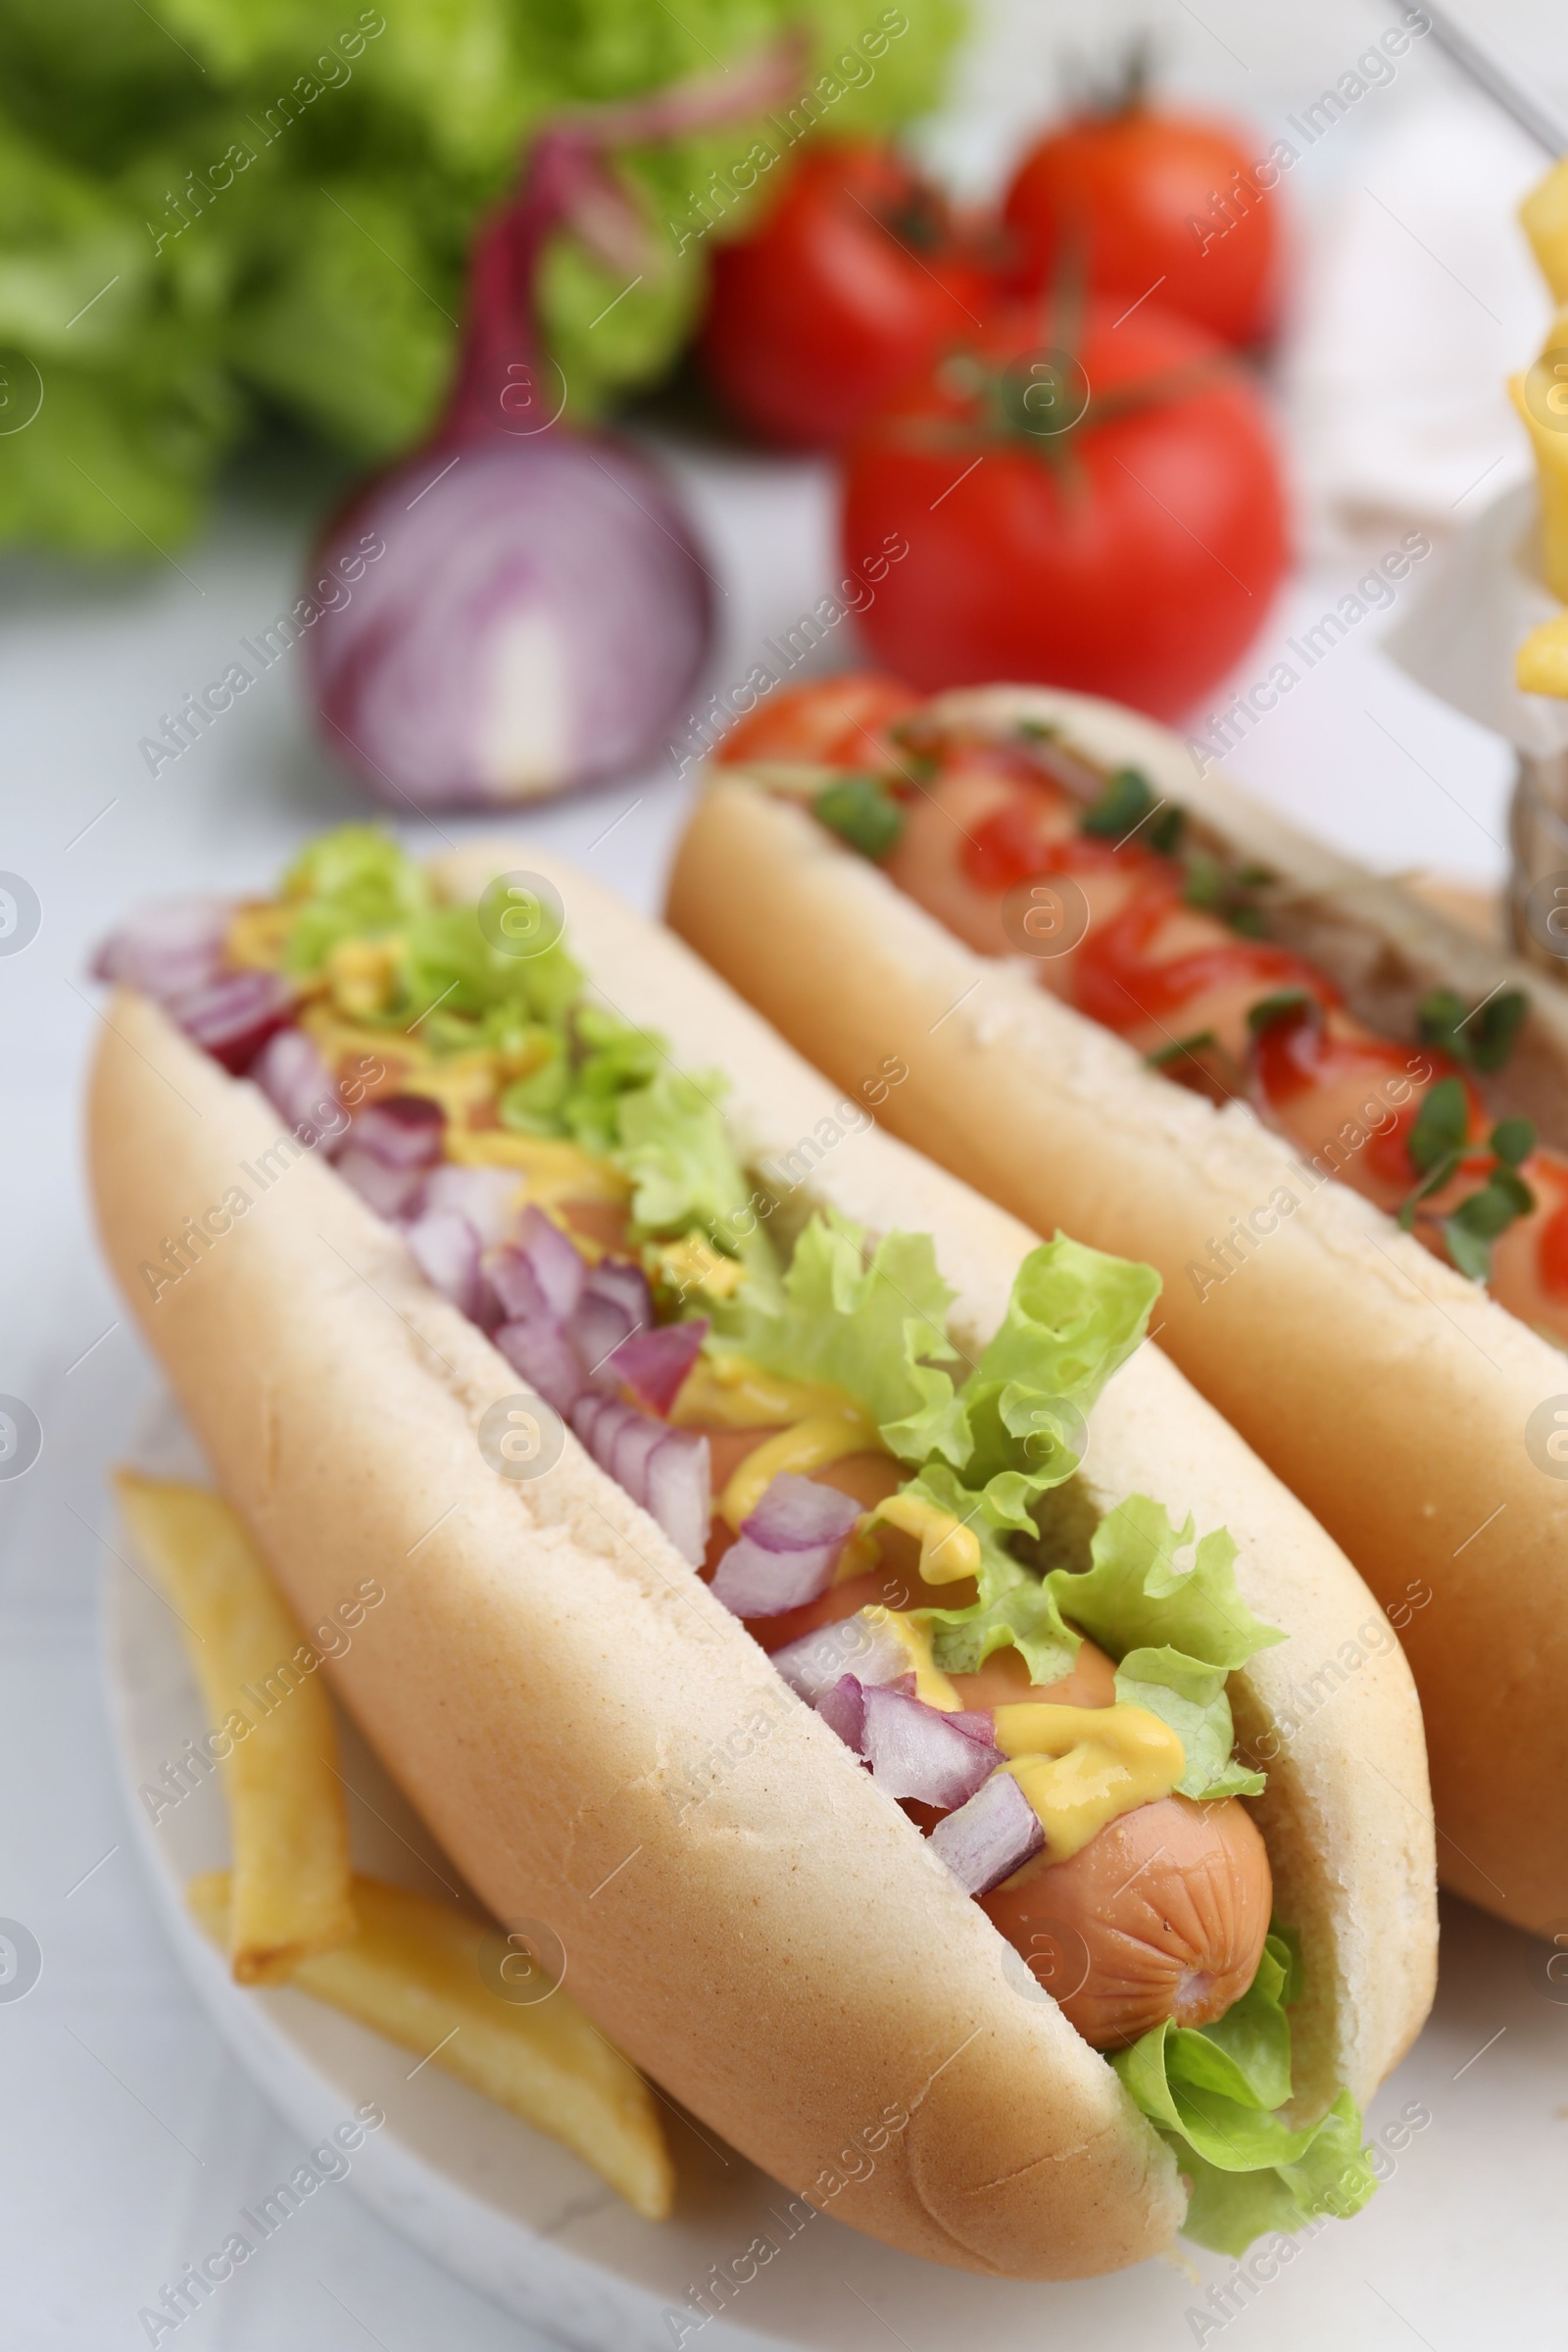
x,y
1039,903
786,1590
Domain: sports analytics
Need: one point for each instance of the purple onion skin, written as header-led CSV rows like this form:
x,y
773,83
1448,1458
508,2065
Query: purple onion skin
x,y
576,534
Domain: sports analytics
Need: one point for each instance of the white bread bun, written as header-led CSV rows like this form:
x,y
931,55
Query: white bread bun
x,y
1391,1395
548,1681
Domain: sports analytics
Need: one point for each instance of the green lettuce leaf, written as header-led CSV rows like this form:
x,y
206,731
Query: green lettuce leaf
x,y
866,1327
1013,1605
1191,1698
1213,2092
320,274
674,1142
1073,1317
1136,1593
354,882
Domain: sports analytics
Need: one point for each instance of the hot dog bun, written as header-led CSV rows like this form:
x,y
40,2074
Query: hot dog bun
x,y
548,1681
1391,1395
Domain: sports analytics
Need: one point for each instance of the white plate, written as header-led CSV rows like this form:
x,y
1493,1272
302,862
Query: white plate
x,y
1462,2237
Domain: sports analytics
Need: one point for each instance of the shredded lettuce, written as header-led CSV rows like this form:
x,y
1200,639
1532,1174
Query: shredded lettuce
x,y
1213,2092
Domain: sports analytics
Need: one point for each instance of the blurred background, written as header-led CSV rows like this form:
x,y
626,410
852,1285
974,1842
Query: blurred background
x,y
234,243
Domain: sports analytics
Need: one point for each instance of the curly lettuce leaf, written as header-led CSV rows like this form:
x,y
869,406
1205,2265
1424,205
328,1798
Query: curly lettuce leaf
x,y
1014,1606
1191,1698
1213,2094
1137,1592
869,1327
672,1139
1075,1316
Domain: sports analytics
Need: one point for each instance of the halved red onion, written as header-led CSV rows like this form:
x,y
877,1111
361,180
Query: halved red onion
x,y
537,614
917,1750
486,1197
446,1250
843,1709
546,1359
402,1131
231,1017
539,1273
296,1081
166,949
653,1364
990,1836
388,1191
859,1644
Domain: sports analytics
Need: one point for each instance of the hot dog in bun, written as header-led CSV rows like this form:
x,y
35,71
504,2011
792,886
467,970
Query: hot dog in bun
x,y
1135,1003
816,1599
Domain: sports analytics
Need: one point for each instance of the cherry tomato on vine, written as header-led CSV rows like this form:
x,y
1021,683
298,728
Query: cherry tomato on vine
x,y
1111,520
856,276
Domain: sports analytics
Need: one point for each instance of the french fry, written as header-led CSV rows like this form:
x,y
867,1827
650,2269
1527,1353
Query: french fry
x,y
413,1973
1547,427
1541,665
1545,215
288,1829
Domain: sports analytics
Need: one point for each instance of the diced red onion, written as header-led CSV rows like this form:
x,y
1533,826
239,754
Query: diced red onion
x,y
665,1470
653,1364
537,617
680,1492
388,1191
540,1272
635,1441
232,1016
843,1709
753,1582
167,949
787,1548
597,1327
617,1278
801,1514
859,1644
546,1359
918,1751
446,1250
402,1131
486,1197
990,1836
296,1081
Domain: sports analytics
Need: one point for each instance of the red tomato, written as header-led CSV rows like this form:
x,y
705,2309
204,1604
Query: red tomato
x,y
1157,204
1132,554
856,277
828,722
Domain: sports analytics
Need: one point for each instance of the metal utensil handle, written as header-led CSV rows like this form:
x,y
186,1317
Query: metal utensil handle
x,y
1499,83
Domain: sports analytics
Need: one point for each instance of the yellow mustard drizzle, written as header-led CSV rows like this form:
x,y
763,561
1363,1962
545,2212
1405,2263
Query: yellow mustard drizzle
x,y
730,1392
949,1550
811,1445
1081,1766
556,1169
258,934
930,1683
692,1263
